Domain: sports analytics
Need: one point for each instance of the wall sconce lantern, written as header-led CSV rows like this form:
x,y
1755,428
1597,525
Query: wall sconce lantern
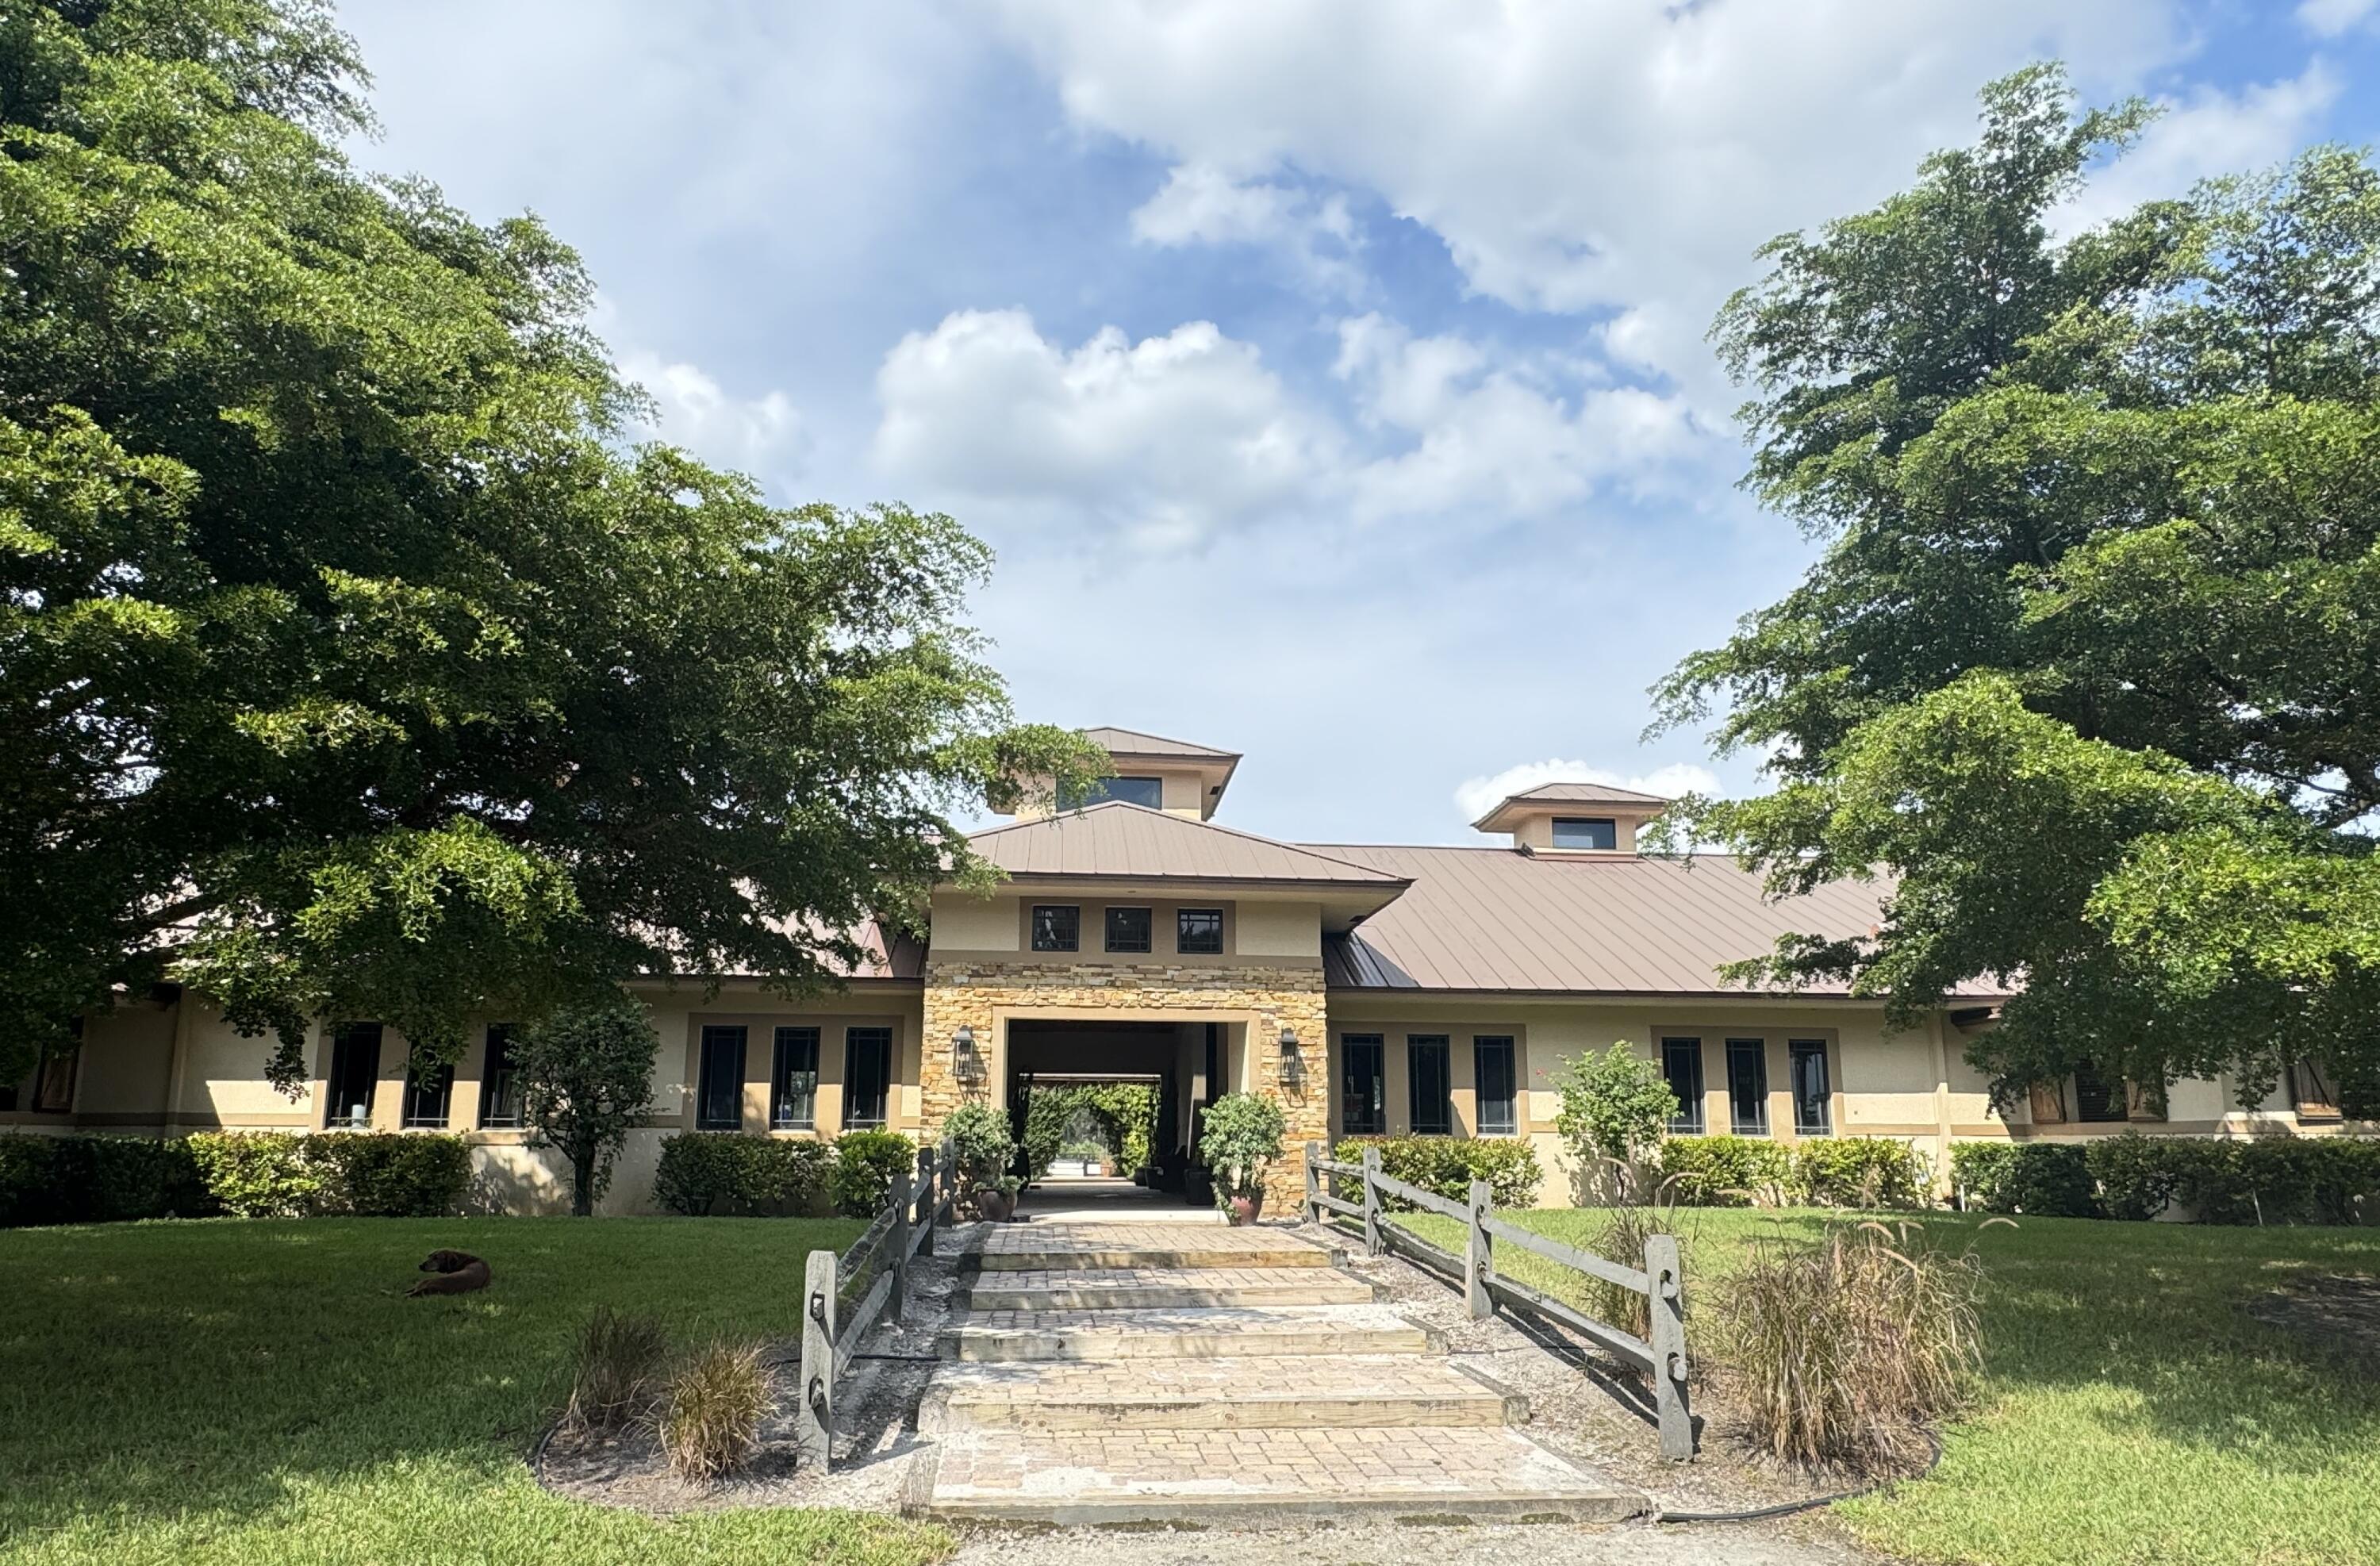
x,y
966,1064
1292,1061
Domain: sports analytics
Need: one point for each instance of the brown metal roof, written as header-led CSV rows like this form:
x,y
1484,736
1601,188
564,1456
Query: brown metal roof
x,y
1114,839
1496,919
1132,742
1567,793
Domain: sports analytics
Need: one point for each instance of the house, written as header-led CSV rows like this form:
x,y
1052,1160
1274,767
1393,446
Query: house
x,y
1372,987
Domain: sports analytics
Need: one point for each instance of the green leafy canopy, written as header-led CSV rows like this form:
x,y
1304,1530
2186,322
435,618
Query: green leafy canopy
x,y
353,661
2088,660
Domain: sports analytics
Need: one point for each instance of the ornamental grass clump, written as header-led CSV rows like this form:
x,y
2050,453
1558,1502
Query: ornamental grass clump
x,y
615,1372
711,1426
1844,1352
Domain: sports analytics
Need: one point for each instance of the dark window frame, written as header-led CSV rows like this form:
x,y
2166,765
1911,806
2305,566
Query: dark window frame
x,y
1055,934
1610,832
855,1112
1692,1118
1374,1120
710,1093
60,1071
1797,1053
1483,1046
2099,1101
500,1082
2312,1094
786,1048
1182,938
1417,1046
1147,928
1103,790
421,1111
347,1040
1739,1050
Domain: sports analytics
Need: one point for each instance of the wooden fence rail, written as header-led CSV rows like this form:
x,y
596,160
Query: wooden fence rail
x,y
878,1267
1662,1359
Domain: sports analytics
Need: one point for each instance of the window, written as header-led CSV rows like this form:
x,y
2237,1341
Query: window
x,y
1813,1113
719,1092
1198,930
2311,1091
54,1084
1057,927
1363,1089
2096,1099
1747,1087
502,1102
1429,1086
1492,1071
1148,792
1128,929
1586,831
1681,1065
354,1075
867,1075
792,1080
429,1095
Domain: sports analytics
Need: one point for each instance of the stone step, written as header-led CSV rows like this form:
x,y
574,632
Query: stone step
x,y
1135,1288
1072,1478
1336,1391
1199,1332
1043,1247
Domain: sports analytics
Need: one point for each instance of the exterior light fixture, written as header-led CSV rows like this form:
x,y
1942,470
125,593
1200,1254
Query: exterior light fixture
x,y
966,1064
1293,1060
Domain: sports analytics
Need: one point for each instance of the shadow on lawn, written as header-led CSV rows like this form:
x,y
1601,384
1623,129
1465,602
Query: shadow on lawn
x,y
178,1369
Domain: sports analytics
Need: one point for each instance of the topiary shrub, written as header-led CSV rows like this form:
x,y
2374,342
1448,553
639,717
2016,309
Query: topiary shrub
x,y
1445,1166
1724,1171
1862,1172
259,1174
385,1174
865,1164
711,1173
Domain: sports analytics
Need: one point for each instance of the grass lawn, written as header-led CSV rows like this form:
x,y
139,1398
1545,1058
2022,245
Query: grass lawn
x,y
261,1391
2133,1412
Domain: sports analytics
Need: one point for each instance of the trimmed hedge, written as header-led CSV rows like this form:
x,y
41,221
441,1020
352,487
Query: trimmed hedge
x,y
703,1173
248,1174
2045,1179
2269,1180
1723,1171
1446,1165
1862,1172
864,1163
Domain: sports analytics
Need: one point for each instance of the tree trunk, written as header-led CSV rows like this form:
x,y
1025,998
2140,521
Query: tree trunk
x,y
582,1183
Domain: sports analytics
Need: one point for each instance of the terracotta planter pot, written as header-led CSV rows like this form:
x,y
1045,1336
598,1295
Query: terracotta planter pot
x,y
993,1204
1245,1209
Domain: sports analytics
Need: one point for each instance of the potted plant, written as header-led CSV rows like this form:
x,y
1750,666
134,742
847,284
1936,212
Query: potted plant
x,y
982,1149
1243,1134
996,1202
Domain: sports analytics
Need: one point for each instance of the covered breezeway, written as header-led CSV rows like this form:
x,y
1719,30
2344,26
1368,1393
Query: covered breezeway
x,y
1185,1063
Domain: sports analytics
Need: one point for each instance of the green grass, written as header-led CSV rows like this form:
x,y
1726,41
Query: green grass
x,y
263,1393
2133,1412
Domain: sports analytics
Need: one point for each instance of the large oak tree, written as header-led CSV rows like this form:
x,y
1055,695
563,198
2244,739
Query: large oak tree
x,y
2092,658
353,660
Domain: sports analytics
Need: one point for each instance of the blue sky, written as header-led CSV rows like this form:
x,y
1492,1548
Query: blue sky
x,y
1329,376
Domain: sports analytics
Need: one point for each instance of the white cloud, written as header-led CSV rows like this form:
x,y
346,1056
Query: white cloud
x,y
1476,797
1200,204
2328,19
1165,441
1620,159
2209,132
762,436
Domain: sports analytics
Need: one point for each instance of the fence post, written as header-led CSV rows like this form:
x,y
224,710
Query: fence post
x,y
814,1410
904,1193
1313,1183
1478,1258
1373,1242
928,1198
1669,1317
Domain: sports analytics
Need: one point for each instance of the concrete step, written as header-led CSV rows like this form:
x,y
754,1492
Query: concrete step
x,y
1160,1289
1207,1476
1337,1392
1047,1247
1197,1332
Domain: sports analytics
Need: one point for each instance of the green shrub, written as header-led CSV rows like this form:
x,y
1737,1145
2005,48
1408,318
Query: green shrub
x,y
2044,1179
712,1425
39,1183
1862,1172
1446,1166
2136,1174
259,1174
705,1173
1242,1133
1614,1106
2269,1180
98,1180
864,1163
1724,1171
981,1145
388,1175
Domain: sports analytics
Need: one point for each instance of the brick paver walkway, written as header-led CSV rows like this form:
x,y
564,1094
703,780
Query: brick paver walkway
x,y
1099,1387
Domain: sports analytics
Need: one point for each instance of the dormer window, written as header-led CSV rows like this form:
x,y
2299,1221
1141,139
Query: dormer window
x,y
1143,790
1587,832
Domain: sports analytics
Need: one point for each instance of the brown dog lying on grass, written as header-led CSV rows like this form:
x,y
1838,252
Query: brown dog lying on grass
x,y
457,1274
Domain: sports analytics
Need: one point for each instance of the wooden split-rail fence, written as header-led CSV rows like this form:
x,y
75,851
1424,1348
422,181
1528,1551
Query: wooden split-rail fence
x,y
1662,1359
846,1293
